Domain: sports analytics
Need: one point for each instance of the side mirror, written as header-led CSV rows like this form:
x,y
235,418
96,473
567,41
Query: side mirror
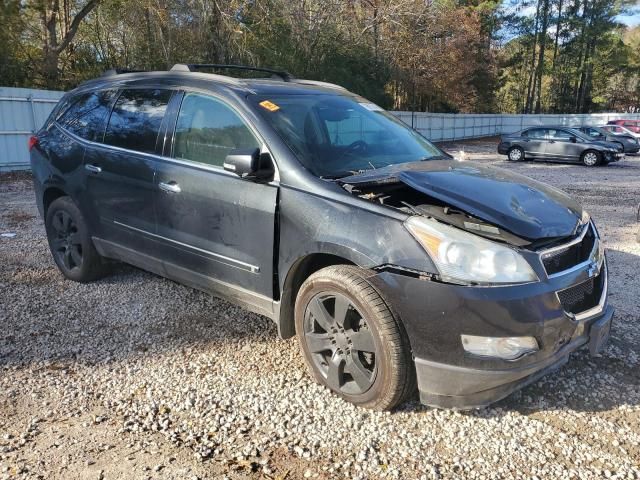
x,y
573,139
249,163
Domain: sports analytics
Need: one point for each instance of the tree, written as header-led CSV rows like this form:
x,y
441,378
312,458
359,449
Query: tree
x,y
60,27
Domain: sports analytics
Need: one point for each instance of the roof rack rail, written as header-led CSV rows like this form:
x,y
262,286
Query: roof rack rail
x,y
192,67
302,81
118,71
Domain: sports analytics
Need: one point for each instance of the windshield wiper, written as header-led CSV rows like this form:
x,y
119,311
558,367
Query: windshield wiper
x,y
335,176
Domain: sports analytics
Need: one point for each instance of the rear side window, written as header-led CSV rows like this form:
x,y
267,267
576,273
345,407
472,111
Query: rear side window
x,y
207,130
135,120
537,133
86,114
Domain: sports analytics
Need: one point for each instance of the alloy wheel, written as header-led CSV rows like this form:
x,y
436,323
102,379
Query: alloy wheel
x,y
340,342
66,241
590,159
515,155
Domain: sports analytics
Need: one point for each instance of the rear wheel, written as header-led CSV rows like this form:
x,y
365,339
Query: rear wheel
x,y
351,340
515,154
70,242
591,158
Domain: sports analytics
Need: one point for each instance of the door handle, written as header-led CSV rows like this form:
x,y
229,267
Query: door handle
x,y
171,187
93,168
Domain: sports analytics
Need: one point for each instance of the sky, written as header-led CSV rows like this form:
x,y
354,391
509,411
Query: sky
x,y
632,20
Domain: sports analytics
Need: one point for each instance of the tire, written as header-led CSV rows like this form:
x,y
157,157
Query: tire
x,y
515,154
591,158
70,242
362,355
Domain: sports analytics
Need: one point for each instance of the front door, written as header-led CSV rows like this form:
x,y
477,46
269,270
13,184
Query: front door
x,y
561,145
216,227
120,173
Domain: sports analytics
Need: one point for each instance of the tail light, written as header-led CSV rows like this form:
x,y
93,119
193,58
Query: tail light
x,y
33,141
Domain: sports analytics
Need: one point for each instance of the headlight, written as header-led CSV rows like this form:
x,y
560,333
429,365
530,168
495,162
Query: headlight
x,y
462,257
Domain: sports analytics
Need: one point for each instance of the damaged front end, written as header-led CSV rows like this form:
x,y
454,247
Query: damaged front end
x,y
485,201
485,227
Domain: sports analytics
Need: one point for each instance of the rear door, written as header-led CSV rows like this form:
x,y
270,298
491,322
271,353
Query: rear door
x,y
215,227
121,171
534,142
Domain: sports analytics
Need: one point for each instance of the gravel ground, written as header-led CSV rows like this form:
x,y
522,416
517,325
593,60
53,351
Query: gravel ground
x,y
135,376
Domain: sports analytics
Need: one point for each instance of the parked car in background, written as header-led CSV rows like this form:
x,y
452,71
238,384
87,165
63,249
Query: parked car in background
x,y
633,125
620,130
558,144
629,143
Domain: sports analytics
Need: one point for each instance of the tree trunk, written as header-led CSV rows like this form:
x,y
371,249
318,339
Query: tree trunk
x,y
531,86
53,46
543,43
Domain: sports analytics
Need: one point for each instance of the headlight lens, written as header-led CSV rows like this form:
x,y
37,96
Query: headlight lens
x,y
507,348
462,257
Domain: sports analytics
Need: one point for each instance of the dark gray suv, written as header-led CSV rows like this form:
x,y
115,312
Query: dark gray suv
x,y
558,144
398,268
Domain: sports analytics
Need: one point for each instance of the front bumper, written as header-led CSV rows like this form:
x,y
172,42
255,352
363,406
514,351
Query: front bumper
x,y
449,386
613,157
435,314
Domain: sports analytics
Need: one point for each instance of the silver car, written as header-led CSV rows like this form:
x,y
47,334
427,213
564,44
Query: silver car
x,y
558,144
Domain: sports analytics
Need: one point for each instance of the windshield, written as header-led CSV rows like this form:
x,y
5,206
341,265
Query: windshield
x,y
335,135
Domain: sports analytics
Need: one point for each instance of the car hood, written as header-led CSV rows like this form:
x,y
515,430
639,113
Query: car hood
x,y
516,203
605,144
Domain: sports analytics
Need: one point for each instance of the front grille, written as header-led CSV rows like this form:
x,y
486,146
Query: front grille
x,y
583,296
564,258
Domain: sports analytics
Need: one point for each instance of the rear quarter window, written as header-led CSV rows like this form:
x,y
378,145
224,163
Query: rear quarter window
x,y
85,115
135,121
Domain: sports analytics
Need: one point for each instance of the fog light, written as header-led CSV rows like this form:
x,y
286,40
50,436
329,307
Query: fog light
x,y
507,348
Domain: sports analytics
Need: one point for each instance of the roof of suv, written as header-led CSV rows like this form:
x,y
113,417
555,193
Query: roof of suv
x,y
278,84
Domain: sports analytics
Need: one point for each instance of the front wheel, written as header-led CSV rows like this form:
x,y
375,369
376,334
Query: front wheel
x,y
515,154
351,340
591,158
70,242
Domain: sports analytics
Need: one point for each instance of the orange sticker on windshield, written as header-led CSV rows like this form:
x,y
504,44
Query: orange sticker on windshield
x,y
272,107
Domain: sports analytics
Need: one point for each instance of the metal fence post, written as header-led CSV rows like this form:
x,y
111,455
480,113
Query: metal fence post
x,y
33,113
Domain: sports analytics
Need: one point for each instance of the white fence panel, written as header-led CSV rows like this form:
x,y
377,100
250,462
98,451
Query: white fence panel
x,y
439,127
22,112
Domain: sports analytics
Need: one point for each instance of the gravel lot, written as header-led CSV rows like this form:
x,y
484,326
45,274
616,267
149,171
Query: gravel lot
x,y
135,376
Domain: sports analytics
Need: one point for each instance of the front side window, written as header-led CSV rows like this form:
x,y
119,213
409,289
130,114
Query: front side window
x,y
86,116
559,134
337,135
207,130
135,120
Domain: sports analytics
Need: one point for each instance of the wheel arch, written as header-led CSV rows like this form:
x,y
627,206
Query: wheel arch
x,y
299,271
49,195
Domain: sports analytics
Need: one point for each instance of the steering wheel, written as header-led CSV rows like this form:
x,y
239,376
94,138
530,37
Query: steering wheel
x,y
352,148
